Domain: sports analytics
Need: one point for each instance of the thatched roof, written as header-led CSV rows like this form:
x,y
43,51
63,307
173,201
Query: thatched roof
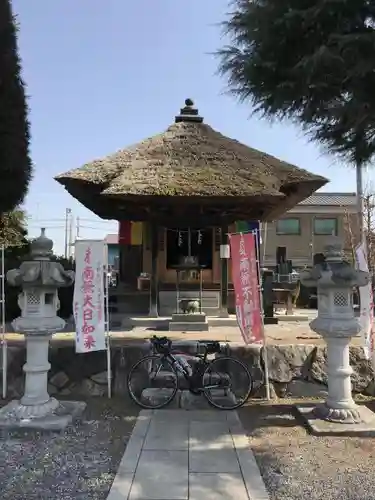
x,y
190,160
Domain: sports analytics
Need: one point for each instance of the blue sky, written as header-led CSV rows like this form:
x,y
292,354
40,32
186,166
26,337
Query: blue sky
x,y
104,74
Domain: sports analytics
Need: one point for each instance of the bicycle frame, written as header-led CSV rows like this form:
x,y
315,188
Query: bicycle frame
x,y
177,361
172,357
175,369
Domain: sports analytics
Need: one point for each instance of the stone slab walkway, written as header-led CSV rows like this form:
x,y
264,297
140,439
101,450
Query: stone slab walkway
x,y
188,455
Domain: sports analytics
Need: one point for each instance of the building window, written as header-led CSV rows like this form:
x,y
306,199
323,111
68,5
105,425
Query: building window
x,y
288,226
325,226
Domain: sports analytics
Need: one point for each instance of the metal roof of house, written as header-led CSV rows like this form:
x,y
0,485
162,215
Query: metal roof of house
x,y
330,199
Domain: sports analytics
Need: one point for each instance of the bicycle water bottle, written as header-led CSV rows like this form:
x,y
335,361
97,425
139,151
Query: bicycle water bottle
x,y
184,363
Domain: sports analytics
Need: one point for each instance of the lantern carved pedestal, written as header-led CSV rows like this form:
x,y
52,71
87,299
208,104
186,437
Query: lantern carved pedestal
x,y
39,279
336,323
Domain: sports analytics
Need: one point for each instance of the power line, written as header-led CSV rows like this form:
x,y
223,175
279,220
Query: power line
x,y
46,220
62,219
37,222
37,226
90,227
101,221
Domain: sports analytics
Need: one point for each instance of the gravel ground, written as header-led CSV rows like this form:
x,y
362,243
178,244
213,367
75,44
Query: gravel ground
x,y
296,465
78,464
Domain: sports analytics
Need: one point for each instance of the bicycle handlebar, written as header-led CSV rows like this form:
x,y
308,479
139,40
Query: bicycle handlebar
x,y
161,344
164,344
160,340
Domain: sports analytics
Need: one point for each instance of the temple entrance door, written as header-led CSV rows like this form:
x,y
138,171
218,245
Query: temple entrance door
x,y
130,264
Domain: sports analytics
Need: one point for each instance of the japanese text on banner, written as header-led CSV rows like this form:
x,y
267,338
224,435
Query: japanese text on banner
x,y
245,281
366,300
89,296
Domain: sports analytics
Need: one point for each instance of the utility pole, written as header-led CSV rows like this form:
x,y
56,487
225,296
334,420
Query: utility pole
x,y
349,234
360,202
368,209
312,242
70,243
68,212
77,228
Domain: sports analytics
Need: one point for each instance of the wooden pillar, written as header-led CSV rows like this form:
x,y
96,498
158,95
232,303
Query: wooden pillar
x,y
154,281
120,264
224,275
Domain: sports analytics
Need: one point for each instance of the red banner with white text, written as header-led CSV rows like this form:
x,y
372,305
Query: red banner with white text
x,y
246,286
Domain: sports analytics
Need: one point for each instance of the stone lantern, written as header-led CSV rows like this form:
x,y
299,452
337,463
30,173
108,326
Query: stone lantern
x,y
39,279
335,280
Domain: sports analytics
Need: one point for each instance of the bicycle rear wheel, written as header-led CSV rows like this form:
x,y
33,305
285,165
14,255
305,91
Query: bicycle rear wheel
x,y
152,382
227,383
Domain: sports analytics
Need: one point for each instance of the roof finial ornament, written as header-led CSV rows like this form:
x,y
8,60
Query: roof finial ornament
x,y
189,113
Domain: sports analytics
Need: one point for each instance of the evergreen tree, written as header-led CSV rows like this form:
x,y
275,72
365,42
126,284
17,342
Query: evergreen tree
x,y
15,162
13,229
309,61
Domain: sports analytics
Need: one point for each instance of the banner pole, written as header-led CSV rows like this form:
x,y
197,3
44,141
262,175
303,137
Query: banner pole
x,y
4,344
108,337
266,372
264,242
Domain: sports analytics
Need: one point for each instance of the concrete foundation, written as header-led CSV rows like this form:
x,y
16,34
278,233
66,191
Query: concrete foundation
x,y
322,427
66,413
188,323
185,399
188,327
190,318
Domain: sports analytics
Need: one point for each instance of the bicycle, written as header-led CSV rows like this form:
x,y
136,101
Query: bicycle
x,y
163,370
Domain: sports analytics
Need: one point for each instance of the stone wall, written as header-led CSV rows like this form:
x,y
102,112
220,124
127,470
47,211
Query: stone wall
x,y
294,370
299,370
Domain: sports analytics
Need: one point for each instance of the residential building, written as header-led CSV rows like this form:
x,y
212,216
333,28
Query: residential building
x,y
302,231
299,234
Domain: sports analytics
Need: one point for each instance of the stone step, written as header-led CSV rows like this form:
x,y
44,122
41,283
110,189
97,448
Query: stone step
x,y
155,396
165,379
189,318
185,399
188,327
189,401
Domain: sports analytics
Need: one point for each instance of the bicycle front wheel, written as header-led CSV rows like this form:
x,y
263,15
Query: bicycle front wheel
x,y
152,382
227,383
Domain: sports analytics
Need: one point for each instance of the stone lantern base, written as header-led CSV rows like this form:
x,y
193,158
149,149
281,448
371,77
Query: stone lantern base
x,y
40,278
362,423
53,416
335,280
37,409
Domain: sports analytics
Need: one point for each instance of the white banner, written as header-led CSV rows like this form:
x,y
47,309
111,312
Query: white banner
x,y
88,299
366,305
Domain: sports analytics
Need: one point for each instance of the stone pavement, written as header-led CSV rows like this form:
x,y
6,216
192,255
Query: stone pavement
x,y
283,333
188,455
